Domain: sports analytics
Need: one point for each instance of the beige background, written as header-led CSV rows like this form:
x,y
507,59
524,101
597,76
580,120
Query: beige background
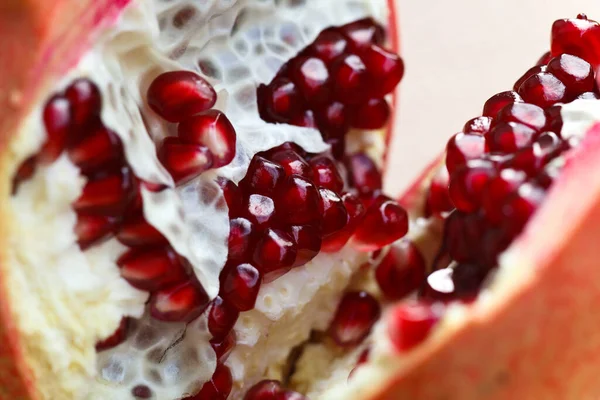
x,y
458,53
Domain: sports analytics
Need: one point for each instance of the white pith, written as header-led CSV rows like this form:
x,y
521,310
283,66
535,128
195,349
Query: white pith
x,y
80,295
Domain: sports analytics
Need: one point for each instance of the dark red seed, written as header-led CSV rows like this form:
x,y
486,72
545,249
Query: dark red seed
x,y
239,285
463,147
554,119
497,190
354,318
308,243
508,137
233,196
224,347
364,174
259,209
363,33
338,147
184,161
467,184
530,72
219,386
385,68
459,283
438,199
180,303
116,338
356,211
576,37
523,113
23,173
411,323
455,240
325,173
334,120
498,101
136,231
544,59
242,237
93,229
221,318
141,392
519,207
58,122
106,194
384,222
85,100
350,79
96,149
373,114
333,213
329,45
292,163
297,201
575,73
283,100
178,95
152,269
265,390
312,79
401,271
305,119
543,89
291,146
480,125
275,251
262,176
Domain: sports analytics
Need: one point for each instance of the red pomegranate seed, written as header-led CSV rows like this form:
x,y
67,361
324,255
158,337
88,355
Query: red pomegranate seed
x,y
308,243
239,285
232,195
223,348
467,184
219,386
384,223
305,119
385,69
285,147
438,199
497,190
576,37
575,73
411,323
85,100
180,303
264,390
98,148
242,237
262,176
212,130
297,201
221,318
356,211
325,173
312,79
184,161
338,147
461,282
275,251
141,392
544,59
349,79
282,99
588,96
292,163
354,318
401,271
58,122
333,212
463,147
23,173
530,72
329,45
136,231
498,101
480,125
523,113
92,229
520,207
531,159
372,114
152,269
455,242
508,137
118,337
106,194
334,121
363,33
258,209
364,174
543,89
178,95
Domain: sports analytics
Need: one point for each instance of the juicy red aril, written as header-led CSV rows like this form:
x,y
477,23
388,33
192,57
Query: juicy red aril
x,y
338,147
543,89
498,101
219,386
372,114
258,209
463,147
297,201
385,68
575,73
523,113
305,119
116,338
349,78
292,163
461,231
312,79
180,303
264,390
544,59
212,130
410,324
384,223
283,100
178,95
508,137
329,45
151,268
57,121
221,318
141,392
364,174
467,184
134,230
92,229
325,173
480,125
291,146
530,72
497,190
354,318
333,121
520,207
275,250
85,100
232,195
333,212
262,176
356,211
224,347
578,37
241,239
106,194
438,198
184,161
401,271
460,282
308,243
239,286
99,147
24,172
363,33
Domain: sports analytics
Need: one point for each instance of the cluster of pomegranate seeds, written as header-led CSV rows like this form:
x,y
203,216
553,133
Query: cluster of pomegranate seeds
x,y
205,137
354,318
271,390
337,82
219,386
